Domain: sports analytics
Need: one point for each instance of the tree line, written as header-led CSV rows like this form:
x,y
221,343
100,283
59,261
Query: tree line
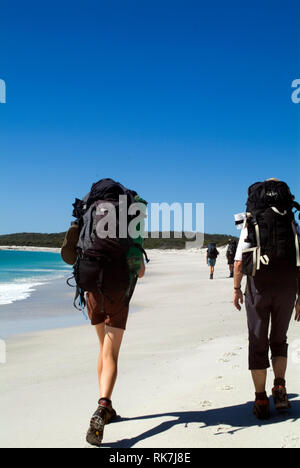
x,y
55,240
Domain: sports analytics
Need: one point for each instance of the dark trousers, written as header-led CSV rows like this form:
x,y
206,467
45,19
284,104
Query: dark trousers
x,y
268,303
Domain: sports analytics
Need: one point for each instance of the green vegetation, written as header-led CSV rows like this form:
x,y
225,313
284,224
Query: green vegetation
x,y
56,240
179,243
33,239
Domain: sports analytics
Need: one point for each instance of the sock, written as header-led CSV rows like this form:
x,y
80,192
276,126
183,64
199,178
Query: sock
x,y
106,401
261,396
279,381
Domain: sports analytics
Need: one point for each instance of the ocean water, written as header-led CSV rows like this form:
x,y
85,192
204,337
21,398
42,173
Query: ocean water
x,y
22,272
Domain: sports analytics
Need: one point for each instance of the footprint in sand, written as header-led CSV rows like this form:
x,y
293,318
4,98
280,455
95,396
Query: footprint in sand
x,y
206,404
232,354
226,388
227,357
291,441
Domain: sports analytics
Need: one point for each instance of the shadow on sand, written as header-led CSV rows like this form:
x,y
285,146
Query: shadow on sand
x,y
237,417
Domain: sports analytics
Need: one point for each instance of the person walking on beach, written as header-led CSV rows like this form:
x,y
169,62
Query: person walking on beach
x,y
211,258
107,266
268,254
230,254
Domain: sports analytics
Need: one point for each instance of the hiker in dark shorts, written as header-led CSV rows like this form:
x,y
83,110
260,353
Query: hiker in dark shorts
x,y
230,254
211,258
107,267
268,253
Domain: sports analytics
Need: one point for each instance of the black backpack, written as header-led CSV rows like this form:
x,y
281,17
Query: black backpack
x,y
105,251
272,230
232,247
212,251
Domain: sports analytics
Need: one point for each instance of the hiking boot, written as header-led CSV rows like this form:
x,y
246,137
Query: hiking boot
x,y
262,407
104,414
69,247
280,398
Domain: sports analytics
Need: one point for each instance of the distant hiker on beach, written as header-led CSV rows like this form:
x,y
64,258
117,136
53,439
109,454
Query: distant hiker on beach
x,y
230,254
269,255
107,260
211,258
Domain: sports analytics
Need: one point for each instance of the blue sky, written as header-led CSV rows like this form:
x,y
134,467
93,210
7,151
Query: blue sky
x,y
184,101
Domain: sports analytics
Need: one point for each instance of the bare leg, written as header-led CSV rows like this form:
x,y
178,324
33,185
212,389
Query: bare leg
x,y
259,378
110,342
279,366
100,329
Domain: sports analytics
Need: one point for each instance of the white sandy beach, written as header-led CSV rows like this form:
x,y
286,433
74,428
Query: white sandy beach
x,y
183,378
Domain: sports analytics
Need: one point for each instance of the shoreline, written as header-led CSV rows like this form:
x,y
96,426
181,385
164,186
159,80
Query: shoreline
x,y
48,306
27,288
58,250
29,249
18,287
35,294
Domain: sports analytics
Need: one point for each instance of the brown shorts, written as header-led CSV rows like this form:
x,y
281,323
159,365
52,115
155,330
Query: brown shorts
x,y
116,309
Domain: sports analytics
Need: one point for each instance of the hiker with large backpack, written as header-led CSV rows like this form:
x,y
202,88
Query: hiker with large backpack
x,y
105,246
269,255
211,258
230,254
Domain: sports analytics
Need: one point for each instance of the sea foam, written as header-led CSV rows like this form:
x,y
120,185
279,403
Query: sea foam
x,y
11,292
